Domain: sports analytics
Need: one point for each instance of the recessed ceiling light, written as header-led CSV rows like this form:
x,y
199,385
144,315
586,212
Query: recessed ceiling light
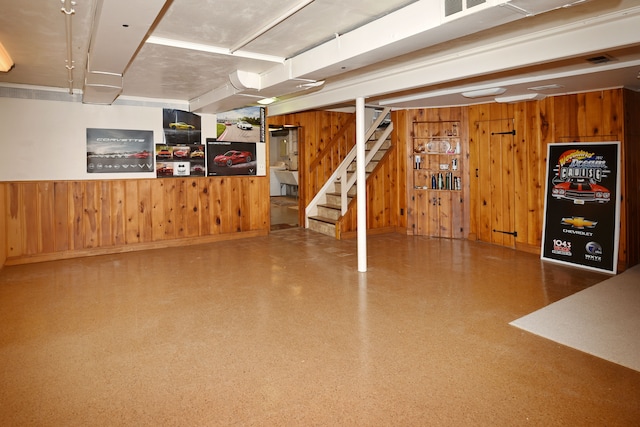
x,y
480,93
266,101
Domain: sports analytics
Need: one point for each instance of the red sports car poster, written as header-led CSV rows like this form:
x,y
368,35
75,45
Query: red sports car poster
x,y
226,158
582,205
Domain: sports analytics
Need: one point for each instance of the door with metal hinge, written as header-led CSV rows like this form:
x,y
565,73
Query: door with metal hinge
x,y
492,181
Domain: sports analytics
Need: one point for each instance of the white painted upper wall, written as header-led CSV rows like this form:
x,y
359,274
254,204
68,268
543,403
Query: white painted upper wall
x,y
45,140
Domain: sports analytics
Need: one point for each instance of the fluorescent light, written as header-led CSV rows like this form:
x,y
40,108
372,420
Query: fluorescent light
x,y
545,87
480,93
180,44
519,98
6,63
266,101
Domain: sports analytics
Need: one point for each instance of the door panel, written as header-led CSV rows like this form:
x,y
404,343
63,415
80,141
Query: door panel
x,y
494,183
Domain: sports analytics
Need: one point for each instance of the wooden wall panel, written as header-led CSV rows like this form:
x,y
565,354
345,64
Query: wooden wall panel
x,y
131,212
15,221
33,241
3,223
144,201
117,213
400,204
90,214
76,216
61,219
586,117
62,233
46,210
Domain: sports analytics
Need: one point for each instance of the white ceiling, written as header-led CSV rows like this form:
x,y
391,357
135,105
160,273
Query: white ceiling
x,y
385,51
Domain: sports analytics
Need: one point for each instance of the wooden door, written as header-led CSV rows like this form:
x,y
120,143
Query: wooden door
x,y
493,183
435,214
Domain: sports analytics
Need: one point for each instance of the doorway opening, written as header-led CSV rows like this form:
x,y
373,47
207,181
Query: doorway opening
x,y
283,176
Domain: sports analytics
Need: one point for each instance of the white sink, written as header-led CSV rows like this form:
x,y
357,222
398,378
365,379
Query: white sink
x,y
286,177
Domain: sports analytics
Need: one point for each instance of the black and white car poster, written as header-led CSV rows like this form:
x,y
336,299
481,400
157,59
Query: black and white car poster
x,y
119,151
582,205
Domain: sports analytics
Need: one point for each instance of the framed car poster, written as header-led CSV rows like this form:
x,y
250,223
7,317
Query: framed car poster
x,y
582,205
119,150
180,160
226,158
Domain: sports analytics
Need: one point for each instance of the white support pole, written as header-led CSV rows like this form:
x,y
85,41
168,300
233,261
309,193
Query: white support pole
x,y
361,186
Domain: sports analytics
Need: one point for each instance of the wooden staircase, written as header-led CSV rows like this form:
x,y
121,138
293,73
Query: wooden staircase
x,y
332,201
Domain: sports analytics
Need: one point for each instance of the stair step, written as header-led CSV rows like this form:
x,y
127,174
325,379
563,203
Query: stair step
x,y
334,199
330,211
337,187
321,218
323,225
385,145
368,169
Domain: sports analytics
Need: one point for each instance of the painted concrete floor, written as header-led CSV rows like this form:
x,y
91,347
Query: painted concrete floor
x,y
282,330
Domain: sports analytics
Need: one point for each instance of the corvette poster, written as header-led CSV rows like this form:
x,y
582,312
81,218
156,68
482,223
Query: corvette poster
x,y
119,151
582,205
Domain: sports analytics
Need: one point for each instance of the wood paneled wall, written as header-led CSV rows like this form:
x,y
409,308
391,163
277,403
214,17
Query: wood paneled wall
x,y
315,130
62,219
405,137
385,188
383,201
585,117
3,224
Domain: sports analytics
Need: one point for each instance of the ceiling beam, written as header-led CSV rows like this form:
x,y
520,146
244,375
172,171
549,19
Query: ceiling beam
x,y
585,37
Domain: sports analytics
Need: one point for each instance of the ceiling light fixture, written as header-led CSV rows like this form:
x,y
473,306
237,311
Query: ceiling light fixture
x,y
267,101
481,93
519,98
310,83
545,87
161,41
6,63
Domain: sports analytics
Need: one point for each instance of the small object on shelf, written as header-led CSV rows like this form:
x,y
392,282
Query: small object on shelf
x,y
417,162
439,146
433,181
458,147
454,164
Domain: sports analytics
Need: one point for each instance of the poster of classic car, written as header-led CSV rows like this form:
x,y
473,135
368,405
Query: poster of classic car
x,y
119,151
582,205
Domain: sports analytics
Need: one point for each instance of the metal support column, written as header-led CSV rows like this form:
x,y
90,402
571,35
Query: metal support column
x,y
361,186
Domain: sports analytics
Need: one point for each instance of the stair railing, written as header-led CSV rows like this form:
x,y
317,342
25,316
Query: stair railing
x,y
340,174
351,180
